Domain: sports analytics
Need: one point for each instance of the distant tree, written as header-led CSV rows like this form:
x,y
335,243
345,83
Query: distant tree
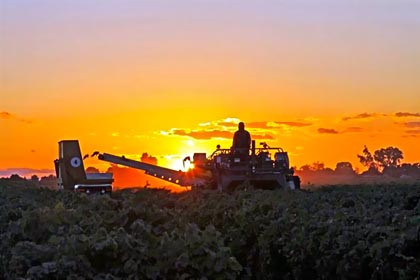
x,y
316,166
145,157
344,168
384,159
367,159
305,168
412,170
49,181
405,169
49,177
392,171
16,177
388,157
34,178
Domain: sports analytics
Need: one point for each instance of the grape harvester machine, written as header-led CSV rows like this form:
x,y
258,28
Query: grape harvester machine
x,y
224,169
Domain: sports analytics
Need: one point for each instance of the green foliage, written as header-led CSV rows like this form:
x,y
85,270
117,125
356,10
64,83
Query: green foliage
x,y
340,233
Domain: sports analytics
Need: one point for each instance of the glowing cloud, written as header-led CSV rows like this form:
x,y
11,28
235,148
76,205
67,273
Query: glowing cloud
x,y
295,124
204,134
406,114
227,124
412,124
262,137
353,129
232,123
5,115
209,134
9,116
327,131
361,116
413,131
260,125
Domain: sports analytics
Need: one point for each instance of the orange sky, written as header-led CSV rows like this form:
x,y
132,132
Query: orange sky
x,y
129,77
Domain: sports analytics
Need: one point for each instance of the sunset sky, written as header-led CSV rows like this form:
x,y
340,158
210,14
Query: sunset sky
x,y
319,78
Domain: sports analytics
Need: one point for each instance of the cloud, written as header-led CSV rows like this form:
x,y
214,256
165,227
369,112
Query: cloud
x,y
265,124
204,134
227,124
25,172
225,128
413,131
327,131
361,116
6,116
9,116
353,129
247,124
262,137
257,125
295,124
414,128
209,134
412,124
406,114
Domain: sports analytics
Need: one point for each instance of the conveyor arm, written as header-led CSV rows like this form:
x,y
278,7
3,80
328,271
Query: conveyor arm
x,y
177,177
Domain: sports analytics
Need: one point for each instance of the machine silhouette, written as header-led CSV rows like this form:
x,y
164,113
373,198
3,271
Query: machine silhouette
x,y
266,168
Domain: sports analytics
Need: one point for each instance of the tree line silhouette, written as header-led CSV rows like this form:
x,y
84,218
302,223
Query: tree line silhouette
x,y
384,162
381,165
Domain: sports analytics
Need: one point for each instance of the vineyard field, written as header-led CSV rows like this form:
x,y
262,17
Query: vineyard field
x,y
335,232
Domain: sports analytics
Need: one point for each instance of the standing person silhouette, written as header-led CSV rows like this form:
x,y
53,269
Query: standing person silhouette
x,y
241,141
